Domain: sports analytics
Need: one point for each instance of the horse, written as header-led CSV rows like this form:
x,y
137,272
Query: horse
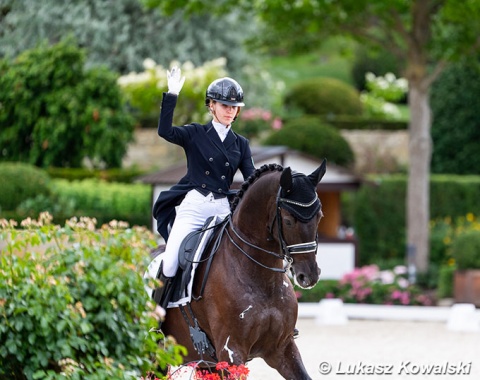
x,y
247,306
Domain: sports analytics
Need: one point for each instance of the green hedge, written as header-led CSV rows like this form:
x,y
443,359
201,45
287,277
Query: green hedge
x,y
323,96
313,136
346,122
106,201
379,211
21,181
110,175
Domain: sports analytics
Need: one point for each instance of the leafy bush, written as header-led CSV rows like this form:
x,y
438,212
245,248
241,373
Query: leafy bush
x,y
466,250
456,126
56,113
446,280
21,181
327,97
144,91
378,63
370,285
313,136
72,302
253,121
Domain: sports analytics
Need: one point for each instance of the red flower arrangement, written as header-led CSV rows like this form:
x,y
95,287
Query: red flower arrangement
x,y
224,371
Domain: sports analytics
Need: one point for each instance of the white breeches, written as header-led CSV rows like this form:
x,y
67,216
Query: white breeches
x,y
191,215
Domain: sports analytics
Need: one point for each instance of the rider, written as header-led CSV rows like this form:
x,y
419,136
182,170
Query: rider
x,y
214,153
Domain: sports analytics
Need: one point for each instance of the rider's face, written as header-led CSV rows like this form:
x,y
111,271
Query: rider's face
x,y
223,113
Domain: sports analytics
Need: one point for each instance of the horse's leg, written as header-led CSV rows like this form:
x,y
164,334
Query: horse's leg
x,y
288,362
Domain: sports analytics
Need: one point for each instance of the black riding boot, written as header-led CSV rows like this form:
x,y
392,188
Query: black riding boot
x,y
162,294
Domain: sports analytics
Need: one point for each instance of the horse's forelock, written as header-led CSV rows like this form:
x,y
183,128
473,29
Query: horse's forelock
x,y
250,180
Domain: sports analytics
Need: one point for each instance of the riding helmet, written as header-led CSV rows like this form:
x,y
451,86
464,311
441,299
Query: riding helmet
x,y
226,91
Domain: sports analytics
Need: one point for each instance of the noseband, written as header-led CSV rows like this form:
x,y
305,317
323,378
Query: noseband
x,y
288,250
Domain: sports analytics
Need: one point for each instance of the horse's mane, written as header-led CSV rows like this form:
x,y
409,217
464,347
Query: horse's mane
x,y
251,179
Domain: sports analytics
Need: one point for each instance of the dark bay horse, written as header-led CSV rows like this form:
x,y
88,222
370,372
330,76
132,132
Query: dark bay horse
x,y
248,307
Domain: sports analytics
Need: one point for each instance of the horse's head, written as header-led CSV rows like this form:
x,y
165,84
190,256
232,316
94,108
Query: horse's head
x,y
299,211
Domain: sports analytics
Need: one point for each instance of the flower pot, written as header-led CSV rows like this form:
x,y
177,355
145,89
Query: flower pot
x,y
467,286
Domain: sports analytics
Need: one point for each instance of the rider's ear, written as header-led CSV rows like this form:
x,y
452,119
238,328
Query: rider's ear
x,y
318,174
286,179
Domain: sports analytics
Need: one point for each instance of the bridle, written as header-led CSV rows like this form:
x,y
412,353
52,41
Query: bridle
x,y
287,250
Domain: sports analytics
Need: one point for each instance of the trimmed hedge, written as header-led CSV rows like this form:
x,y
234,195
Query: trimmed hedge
x,y
106,201
323,96
351,122
109,175
379,211
313,136
20,181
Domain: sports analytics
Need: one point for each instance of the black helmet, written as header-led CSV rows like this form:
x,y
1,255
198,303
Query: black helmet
x,y
226,91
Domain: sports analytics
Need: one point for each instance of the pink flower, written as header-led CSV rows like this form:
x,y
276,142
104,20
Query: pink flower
x,y
277,123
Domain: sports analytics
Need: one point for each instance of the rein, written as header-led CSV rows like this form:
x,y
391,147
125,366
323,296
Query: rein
x,y
288,250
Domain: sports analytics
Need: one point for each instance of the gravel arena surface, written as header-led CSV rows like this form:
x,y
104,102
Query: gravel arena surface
x,y
390,350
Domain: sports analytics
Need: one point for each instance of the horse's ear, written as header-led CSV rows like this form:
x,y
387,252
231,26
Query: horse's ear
x,y
318,174
286,179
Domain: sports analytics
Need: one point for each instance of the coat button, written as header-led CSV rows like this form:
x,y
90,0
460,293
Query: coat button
x,y
207,172
210,159
222,177
204,186
227,164
220,190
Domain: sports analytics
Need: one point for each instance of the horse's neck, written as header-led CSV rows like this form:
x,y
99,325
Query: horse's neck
x,y
253,220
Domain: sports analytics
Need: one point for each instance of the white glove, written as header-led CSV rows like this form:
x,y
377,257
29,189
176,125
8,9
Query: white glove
x,y
175,81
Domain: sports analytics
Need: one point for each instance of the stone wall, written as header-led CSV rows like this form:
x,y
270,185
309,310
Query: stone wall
x,y
375,151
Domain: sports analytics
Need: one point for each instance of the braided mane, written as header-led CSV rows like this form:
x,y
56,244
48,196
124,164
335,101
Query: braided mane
x,y
251,179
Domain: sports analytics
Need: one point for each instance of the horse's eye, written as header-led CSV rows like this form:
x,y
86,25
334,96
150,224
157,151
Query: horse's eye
x,y
289,221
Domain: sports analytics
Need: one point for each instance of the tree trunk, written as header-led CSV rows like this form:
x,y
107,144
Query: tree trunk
x,y
418,191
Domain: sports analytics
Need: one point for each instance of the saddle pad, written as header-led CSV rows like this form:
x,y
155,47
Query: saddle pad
x,y
186,295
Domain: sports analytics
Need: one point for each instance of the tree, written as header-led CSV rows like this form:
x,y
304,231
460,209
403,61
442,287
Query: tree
x,y
54,112
121,33
423,34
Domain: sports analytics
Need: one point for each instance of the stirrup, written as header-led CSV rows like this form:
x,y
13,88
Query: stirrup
x,y
162,294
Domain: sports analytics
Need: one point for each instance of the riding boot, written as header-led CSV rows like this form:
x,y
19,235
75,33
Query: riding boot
x,y
162,294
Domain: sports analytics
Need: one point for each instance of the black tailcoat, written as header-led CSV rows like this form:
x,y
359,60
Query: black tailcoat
x,y
211,163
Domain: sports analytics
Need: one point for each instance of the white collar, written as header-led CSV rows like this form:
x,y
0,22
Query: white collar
x,y
221,129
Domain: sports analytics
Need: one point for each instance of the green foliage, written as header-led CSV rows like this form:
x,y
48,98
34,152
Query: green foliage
x,y
72,303
466,250
122,35
125,175
55,113
253,121
376,62
446,281
312,136
369,285
456,124
326,97
144,91
20,181
378,211
106,201
379,218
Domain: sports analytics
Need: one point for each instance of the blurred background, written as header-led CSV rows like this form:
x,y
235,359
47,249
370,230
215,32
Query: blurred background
x,y
387,91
